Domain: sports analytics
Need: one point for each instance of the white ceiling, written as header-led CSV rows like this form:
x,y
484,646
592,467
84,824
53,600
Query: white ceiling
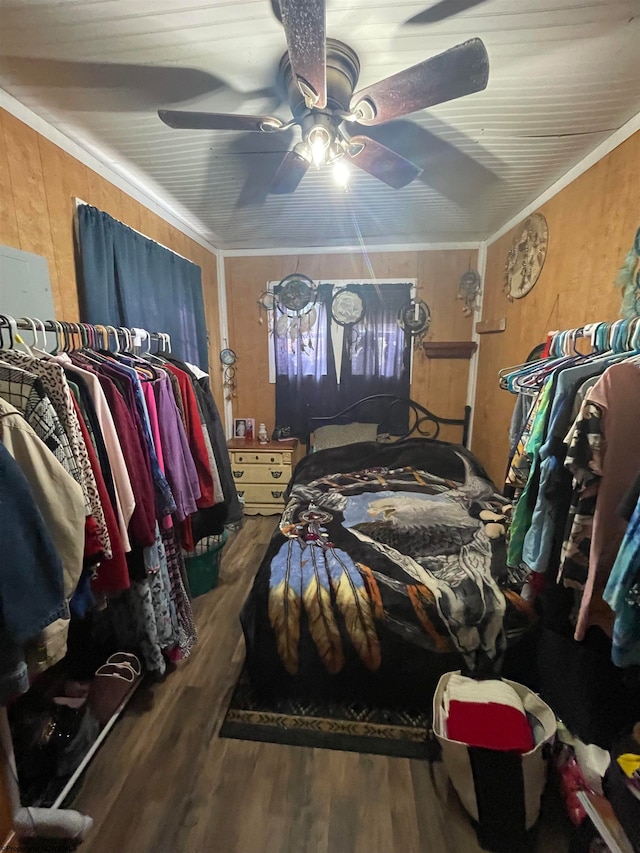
x,y
565,74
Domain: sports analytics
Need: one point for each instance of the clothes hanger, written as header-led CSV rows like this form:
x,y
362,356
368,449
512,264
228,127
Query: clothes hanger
x,y
34,332
76,336
10,324
57,330
114,331
104,336
40,325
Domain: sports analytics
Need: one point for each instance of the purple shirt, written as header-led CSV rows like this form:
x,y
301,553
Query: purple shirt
x,y
180,468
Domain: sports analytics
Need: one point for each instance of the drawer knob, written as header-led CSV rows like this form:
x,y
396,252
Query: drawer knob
x,y
238,474
276,494
276,475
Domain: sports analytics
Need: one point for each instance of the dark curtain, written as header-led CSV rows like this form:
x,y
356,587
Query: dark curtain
x,y
128,280
376,355
305,369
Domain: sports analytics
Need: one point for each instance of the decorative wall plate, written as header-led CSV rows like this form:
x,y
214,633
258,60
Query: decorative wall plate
x,y
347,308
526,256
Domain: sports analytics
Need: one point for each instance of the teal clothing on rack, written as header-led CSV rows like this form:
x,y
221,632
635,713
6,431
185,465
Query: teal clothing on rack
x,y
524,508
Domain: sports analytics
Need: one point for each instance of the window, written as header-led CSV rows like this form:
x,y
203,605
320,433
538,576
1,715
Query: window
x,y
320,367
300,346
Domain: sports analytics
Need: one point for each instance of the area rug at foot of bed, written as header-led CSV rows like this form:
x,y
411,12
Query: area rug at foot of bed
x,y
348,725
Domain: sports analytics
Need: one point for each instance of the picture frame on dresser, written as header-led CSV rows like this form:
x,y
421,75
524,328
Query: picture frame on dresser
x,y
244,428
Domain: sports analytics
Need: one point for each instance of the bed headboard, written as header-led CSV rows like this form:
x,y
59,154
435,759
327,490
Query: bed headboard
x,y
385,408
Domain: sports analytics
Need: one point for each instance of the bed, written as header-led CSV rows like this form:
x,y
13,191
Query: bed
x,y
382,575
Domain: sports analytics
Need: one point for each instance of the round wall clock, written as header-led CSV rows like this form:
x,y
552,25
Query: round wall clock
x,y
526,256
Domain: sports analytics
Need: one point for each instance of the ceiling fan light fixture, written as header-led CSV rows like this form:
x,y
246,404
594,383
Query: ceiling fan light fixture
x,y
319,140
303,151
341,173
335,153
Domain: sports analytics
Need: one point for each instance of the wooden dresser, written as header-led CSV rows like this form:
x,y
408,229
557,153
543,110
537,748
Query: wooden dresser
x,y
262,472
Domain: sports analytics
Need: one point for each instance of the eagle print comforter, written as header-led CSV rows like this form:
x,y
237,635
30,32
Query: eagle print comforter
x,y
386,540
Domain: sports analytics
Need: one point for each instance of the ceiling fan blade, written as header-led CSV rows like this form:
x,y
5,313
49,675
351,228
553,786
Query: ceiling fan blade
x,y
259,157
275,6
304,24
381,162
121,87
291,171
218,121
459,71
444,167
441,11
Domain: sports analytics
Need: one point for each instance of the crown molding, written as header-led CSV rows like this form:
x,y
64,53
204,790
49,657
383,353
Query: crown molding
x,y
338,250
610,143
129,183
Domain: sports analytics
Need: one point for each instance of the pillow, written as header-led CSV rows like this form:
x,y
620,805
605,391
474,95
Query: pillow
x,y
338,435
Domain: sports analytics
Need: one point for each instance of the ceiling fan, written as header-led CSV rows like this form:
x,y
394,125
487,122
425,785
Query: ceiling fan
x,y
319,76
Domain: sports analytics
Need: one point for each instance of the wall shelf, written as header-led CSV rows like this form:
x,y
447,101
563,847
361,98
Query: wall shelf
x,y
449,349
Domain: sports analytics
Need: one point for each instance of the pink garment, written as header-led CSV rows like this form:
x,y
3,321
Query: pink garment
x,y
617,393
125,500
152,409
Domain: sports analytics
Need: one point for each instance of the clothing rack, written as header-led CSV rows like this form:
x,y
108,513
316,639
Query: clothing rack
x,y
617,336
72,336
614,336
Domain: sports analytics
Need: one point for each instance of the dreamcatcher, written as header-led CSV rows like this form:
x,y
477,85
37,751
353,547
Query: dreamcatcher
x,y
415,318
228,360
266,303
292,305
468,292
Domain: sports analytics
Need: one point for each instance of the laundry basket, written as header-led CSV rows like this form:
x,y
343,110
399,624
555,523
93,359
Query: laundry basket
x,y
203,564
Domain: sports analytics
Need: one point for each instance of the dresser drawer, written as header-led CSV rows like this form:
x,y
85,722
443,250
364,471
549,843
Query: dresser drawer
x,y
279,474
252,457
253,493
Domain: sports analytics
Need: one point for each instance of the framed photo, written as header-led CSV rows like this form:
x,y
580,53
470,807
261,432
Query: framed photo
x,y
244,428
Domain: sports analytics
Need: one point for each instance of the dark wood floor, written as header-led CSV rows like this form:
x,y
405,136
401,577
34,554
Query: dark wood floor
x,y
164,782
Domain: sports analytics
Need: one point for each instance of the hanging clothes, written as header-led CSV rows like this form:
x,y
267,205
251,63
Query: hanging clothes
x,y
574,465
110,456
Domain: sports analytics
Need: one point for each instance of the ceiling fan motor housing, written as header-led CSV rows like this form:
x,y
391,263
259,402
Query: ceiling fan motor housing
x,y
343,70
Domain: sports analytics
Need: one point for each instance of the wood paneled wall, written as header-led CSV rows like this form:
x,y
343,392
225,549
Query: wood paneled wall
x,y
440,385
592,224
38,185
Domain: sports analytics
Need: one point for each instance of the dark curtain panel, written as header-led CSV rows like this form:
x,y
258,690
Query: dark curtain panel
x,y
305,367
128,280
376,354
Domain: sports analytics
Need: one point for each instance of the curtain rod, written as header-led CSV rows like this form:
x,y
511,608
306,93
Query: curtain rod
x,y
80,201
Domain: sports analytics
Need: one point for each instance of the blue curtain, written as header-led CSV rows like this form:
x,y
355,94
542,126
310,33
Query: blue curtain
x,y
376,353
305,370
128,280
